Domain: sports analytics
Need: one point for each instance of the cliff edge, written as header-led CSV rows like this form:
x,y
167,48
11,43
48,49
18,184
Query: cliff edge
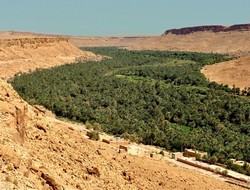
x,y
210,28
27,54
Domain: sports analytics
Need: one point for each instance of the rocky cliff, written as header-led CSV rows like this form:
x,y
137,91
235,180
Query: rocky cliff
x,y
211,28
27,54
39,152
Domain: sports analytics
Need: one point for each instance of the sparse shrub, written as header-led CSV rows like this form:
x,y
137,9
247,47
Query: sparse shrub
x,y
198,157
161,152
88,125
43,183
225,172
93,135
205,157
235,167
97,127
217,170
132,137
213,159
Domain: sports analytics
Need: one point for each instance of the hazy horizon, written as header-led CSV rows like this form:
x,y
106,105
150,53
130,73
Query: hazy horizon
x,y
116,17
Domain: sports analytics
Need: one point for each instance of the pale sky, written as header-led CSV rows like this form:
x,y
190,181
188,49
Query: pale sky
x,y
118,17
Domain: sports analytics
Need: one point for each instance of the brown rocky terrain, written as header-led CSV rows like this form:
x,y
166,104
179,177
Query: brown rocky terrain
x,y
39,152
29,53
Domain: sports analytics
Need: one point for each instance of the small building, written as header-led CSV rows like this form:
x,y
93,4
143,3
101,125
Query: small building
x,y
106,141
193,153
239,162
122,147
137,150
119,141
233,160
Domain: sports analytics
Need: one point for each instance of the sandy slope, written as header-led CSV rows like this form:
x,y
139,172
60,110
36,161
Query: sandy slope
x,y
27,54
221,42
235,72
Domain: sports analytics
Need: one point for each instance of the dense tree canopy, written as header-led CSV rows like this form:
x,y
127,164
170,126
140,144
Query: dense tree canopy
x,y
159,97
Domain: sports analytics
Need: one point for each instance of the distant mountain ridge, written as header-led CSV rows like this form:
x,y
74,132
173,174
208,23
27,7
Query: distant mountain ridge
x,y
211,28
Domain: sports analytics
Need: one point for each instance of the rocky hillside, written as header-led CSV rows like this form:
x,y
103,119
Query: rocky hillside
x,y
211,28
39,152
27,54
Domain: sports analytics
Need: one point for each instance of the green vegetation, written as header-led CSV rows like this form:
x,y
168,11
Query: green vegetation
x,y
225,172
245,169
154,97
93,135
161,152
213,159
198,157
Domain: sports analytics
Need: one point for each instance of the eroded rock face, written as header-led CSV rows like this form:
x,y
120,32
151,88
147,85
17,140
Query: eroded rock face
x,y
25,42
28,54
211,28
39,152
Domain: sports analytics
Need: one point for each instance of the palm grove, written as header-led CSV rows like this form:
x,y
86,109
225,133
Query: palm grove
x,y
154,97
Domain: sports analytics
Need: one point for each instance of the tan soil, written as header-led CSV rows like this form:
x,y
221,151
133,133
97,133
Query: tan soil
x,y
235,72
39,152
18,35
28,53
221,42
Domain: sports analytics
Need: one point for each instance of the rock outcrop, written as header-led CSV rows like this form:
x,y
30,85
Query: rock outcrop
x,y
39,152
28,54
211,28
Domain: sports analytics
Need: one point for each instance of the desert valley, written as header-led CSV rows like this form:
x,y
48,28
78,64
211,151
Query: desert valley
x,y
101,87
